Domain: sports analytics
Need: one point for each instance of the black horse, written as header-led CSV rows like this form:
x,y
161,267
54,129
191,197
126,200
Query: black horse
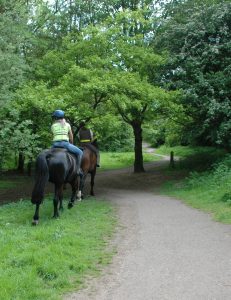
x,y
58,166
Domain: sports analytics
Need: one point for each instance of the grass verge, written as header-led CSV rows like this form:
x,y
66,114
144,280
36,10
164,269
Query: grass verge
x,y
194,158
186,151
46,261
209,191
118,160
7,184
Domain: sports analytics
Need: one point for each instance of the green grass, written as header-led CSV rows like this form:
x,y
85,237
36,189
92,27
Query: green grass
x,y
46,261
186,151
117,160
6,184
209,191
194,158
10,182
110,161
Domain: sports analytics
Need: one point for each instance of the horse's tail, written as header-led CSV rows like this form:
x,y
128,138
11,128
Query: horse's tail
x,y
42,176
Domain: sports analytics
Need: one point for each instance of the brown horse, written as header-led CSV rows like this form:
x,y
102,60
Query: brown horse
x,y
88,165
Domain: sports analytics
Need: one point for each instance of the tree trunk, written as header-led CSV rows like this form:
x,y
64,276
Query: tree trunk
x,y
21,160
29,167
138,163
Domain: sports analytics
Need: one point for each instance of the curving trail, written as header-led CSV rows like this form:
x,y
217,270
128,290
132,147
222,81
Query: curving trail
x,y
166,250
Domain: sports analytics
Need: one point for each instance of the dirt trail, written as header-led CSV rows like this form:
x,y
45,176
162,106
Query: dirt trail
x,y
166,250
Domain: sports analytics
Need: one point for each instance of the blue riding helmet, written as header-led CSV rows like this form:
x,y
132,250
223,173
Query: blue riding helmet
x,y
58,114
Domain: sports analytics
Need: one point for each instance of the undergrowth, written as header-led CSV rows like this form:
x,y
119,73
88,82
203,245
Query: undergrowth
x,y
209,189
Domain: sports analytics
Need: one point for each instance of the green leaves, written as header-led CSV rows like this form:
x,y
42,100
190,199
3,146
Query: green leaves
x,y
91,60
13,33
17,137
198,39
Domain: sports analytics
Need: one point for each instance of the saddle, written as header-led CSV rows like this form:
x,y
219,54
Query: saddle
x,y
61,149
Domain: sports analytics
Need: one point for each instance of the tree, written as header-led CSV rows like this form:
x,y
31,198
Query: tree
x,y
197,37
113,66
103,67
13,32
17,138
137,100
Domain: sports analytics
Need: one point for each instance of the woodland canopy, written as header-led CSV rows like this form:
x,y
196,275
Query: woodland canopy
x,y
159,70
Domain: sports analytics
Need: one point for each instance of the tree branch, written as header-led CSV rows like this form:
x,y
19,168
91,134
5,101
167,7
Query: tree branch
x,y
123,115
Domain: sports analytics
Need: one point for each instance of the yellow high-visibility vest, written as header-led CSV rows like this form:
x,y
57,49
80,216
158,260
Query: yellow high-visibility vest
x,y
60,131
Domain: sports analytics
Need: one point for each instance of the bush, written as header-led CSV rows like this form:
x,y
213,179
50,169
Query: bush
x,y
219,175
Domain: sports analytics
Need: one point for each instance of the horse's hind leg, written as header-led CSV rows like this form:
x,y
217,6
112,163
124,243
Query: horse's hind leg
x,y
74,186
36,215
61,200
81,185
57,199
92,183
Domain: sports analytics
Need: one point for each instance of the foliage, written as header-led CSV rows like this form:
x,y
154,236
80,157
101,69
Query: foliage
x,y
193,158
13,32
154,133
56,256
17,137
36,102
197,36
160,64
106,67
112,133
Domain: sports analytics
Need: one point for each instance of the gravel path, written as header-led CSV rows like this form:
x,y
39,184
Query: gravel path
x,y
166,250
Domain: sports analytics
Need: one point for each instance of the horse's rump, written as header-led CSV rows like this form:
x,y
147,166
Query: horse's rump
x,y
58,163
62,165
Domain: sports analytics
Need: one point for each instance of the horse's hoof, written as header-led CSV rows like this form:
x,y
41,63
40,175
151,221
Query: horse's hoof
x,y
70,205
35,222
79,199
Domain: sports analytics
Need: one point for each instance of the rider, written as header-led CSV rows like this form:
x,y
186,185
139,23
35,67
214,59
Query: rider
x,y
63,136
86,137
